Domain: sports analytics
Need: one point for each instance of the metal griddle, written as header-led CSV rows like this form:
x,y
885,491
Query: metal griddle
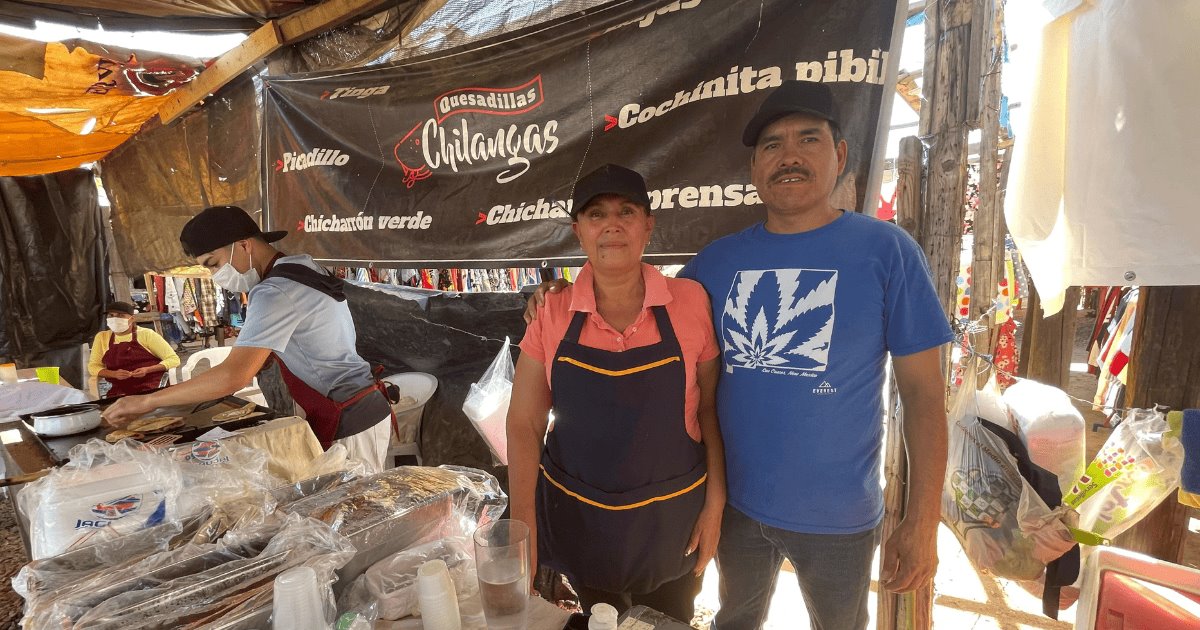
x,y
195,424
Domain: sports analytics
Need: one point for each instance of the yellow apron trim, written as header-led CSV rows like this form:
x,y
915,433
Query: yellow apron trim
x,y
630,506
633,370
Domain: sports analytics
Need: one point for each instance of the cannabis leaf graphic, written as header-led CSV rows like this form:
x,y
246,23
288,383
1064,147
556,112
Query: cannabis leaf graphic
x,y
780,318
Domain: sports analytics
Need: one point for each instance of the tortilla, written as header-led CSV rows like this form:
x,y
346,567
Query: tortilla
x,y
235,414
121,434
150,425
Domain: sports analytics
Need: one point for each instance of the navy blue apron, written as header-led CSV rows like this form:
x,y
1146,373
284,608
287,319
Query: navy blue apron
x,y
622,482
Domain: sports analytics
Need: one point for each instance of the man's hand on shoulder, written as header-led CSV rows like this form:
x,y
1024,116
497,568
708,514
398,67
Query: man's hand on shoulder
x,y
539,297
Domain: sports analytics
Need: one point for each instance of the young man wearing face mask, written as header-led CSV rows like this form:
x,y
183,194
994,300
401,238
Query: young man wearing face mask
x,y
130,359
298,315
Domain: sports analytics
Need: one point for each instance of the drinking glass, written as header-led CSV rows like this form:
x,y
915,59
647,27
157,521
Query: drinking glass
x,y
502,563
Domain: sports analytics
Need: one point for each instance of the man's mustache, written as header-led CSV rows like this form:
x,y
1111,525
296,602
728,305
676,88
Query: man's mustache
x,y
790,171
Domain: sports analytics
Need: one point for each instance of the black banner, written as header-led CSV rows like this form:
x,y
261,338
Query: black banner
x,y
468,156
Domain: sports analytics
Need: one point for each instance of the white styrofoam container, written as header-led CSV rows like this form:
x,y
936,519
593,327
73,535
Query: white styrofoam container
x,y
116,499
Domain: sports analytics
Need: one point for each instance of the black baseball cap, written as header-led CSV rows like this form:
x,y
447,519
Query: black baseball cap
x,y
609,179
793,97
119,307
219,226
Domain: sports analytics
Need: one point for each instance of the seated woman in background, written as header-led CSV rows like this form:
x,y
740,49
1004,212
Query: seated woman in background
x,y
130,359
625,496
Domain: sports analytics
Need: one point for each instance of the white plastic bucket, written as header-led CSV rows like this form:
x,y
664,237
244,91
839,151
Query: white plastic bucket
x,y
420,387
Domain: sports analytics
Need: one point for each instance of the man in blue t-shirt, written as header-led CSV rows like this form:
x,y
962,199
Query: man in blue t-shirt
x,y
808,305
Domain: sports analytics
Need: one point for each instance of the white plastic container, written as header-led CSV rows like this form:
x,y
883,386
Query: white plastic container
x,y
1051,428
1166,596
116,499
418,386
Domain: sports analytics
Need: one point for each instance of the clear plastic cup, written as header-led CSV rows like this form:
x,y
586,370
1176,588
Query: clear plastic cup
x,y
299,602
437,598
502,564
8,373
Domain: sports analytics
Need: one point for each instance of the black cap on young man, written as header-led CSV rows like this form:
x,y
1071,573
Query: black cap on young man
x,y
219,226
793,97
609,179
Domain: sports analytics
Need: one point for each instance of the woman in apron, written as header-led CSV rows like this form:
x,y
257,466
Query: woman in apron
x,y
624,491
129,359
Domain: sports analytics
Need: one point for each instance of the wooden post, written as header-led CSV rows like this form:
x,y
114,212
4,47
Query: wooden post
x,y
897,611
1164,368
1048,342
951,94
987,260
949,22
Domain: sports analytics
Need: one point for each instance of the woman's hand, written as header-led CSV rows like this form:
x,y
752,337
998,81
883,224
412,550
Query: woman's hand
x,y
119,375
706,533
140,372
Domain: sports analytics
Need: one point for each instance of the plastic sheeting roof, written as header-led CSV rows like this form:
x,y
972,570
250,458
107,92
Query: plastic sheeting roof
x,y
86,100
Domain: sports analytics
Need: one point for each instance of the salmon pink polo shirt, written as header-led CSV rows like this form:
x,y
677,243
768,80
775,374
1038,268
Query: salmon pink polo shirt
x,y
687,305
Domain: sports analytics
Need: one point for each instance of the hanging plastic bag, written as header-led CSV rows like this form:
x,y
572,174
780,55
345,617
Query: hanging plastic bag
x,y
1050,426
487,403
1138,467
1005,528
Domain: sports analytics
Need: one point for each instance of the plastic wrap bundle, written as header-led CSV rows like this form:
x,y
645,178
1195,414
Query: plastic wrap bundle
x,y
1137,468
396,509
54,580
104,492
1004,526
486,405
1050,426
224,473
198,583
393,581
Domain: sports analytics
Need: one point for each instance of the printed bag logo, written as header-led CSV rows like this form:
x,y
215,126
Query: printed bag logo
x,y
428,146
113,510
780,321
316,157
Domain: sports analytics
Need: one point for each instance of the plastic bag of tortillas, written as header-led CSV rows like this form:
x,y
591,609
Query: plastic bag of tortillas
x,y
487,402
103,492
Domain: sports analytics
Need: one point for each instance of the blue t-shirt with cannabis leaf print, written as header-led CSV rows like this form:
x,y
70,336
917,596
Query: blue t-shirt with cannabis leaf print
x,y
805,323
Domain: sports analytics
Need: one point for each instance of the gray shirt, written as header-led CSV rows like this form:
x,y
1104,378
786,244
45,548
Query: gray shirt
x,y
311,332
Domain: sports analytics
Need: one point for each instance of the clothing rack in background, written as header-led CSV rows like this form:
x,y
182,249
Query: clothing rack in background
x,y
184,303
459,279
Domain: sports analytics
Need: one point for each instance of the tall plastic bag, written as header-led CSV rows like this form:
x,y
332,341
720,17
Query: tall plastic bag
x,y
105,491
1137,468
1005,528
487,403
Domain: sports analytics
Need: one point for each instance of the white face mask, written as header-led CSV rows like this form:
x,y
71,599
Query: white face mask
x,y
118,324
233,280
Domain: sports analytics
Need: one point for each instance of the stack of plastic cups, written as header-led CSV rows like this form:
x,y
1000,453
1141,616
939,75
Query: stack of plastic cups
x,y
299,602
604,617
436,596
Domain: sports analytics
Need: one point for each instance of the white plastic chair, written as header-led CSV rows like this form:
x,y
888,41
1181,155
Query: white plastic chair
x,y
203,360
